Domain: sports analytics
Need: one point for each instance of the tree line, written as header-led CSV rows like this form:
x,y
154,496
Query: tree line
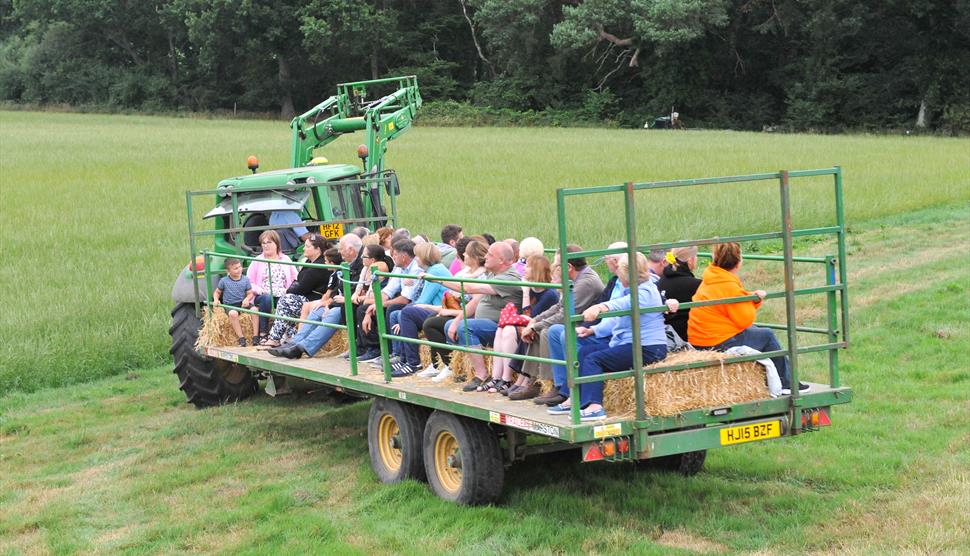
x,y
822,65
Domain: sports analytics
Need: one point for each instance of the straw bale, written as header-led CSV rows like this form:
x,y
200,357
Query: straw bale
x,y
216,330
336,345
674,392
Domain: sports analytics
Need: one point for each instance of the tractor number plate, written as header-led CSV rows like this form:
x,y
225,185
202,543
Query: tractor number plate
x,y
332,231
750,433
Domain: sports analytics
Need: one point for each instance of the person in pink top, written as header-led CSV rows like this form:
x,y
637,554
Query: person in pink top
x,y
459,261
270,281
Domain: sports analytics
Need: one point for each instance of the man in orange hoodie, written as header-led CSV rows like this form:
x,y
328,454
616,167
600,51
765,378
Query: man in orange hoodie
x,y
724,326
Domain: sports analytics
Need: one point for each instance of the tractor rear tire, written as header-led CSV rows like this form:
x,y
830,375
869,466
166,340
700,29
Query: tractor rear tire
x,y
463,459
394,433
207,382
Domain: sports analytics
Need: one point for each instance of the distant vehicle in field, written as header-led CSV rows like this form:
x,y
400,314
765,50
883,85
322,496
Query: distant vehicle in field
x,y
666,122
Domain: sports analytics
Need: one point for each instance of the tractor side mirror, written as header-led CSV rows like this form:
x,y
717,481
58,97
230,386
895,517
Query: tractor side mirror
x,y
391,185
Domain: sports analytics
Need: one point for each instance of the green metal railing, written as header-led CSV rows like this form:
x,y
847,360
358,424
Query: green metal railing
x,y
787,233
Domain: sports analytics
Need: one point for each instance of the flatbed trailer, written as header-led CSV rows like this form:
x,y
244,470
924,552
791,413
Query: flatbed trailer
x,y
460,442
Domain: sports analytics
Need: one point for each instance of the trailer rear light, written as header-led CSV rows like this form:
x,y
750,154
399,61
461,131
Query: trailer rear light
x,y
815,418
198,265
623,445
609,448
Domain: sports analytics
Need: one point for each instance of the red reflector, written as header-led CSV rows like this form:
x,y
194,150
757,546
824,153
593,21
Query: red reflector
x,y
593,453
823,418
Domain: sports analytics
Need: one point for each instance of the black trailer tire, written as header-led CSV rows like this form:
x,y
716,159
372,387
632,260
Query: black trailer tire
x,y
687,464
394,433
206,382
463,459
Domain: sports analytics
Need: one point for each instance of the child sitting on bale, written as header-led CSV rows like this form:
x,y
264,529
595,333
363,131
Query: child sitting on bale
x,y
234,290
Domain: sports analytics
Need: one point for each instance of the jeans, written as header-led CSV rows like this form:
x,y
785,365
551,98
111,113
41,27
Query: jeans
x,y
312,337
412,319
369,340
761,339
603,358
556,336
264,302
397,348
481,332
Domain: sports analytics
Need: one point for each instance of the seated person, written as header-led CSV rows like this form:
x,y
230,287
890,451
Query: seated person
x,y
678,282
535,301
407,321
269,281
617,355
450,235
721,327
473,256
290,238
480,330
398,293
234,290
329,309
310,284
555,333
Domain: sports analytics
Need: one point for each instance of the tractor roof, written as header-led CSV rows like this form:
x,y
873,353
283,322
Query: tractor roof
x,y
319,174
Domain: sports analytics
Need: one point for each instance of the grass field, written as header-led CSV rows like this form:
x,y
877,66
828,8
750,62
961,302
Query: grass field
x,y
92,208
123,465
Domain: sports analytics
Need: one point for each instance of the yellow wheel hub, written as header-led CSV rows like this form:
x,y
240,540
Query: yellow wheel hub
x,y
447,461
389,442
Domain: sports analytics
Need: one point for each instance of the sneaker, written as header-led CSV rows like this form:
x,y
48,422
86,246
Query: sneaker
x,y
559,409
590,415
428,372
369,355
242,342
443,374
802,388
345,355
403,369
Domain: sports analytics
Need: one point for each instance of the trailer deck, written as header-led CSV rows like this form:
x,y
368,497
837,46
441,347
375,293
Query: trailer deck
x,y
522,415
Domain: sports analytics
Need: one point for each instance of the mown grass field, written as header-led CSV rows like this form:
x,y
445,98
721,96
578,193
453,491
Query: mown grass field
x,y
123,465
93,216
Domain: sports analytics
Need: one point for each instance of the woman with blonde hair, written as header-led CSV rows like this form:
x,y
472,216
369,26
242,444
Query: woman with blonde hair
x,y
721,327
617,355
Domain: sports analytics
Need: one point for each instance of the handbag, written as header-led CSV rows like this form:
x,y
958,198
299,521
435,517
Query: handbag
x,y
450,301
509,317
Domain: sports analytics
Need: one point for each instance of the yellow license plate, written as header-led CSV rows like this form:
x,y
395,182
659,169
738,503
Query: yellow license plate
x,y
750,433
332,231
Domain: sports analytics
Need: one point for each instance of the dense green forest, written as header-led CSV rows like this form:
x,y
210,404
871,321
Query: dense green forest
x,y
823,65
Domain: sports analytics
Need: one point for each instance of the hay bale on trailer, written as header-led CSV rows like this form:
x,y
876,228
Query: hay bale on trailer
x,y
674,392
216,330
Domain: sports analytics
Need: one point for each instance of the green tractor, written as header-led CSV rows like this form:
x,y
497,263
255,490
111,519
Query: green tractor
x,y
327,198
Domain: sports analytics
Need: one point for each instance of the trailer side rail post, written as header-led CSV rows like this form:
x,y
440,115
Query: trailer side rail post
x,y
569,330
786,229
349,317
193,271
840,217
633,268
381,328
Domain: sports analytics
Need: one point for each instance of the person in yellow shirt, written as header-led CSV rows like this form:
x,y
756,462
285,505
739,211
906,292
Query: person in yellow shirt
x,y
721,327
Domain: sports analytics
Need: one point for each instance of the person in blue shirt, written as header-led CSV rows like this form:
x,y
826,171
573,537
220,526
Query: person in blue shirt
x,y
289,237
617,355
407,322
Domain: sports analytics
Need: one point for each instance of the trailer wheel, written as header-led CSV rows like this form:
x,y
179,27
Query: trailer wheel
x,y
394,440
206,382
462,459
687,464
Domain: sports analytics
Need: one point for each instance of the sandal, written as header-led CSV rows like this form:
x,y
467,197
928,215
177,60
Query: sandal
x,y
501,387
269,342
488,385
